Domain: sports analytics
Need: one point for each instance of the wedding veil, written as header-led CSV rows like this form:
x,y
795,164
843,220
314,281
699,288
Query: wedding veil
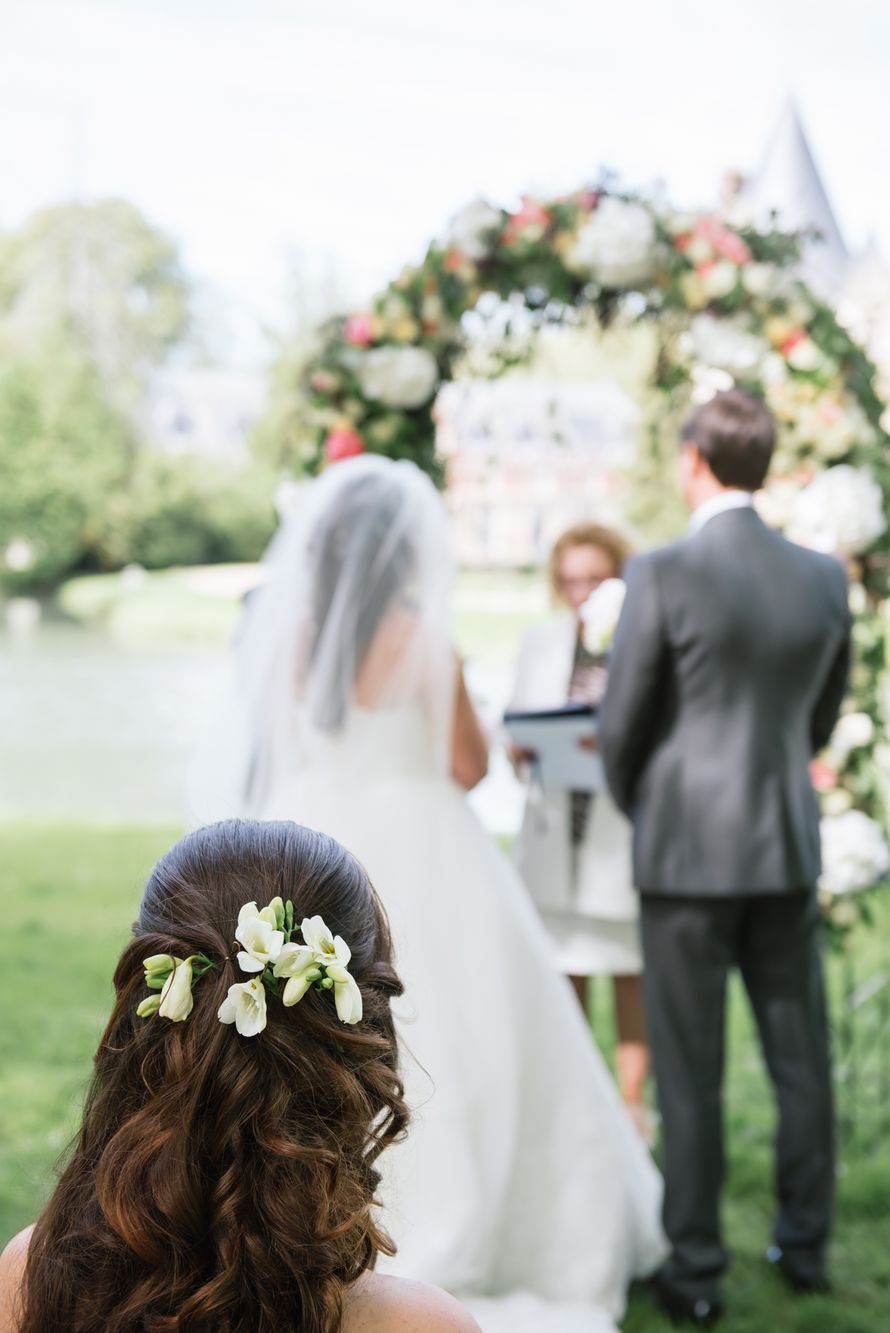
x,y
358,574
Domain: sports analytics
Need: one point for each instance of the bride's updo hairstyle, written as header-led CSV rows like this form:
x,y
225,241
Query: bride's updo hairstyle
x,y
221,1183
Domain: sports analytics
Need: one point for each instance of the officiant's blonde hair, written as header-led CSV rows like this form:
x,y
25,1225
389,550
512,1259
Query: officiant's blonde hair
x,y
616,547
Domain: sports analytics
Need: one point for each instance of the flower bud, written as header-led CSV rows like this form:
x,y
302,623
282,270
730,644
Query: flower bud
x,y
176,1001
295,989
277,906
157,969
149,1006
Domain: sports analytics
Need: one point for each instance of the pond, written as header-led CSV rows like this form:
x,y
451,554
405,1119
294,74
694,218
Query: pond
x,y
92,729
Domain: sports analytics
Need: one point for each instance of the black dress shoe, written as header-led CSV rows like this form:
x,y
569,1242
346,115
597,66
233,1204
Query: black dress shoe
x,y
806,1278
683,1309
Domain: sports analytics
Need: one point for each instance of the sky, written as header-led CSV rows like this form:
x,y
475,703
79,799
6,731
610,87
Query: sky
x,y
302,150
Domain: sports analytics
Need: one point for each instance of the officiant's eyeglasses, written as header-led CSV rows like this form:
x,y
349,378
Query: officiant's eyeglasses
x,y
582,582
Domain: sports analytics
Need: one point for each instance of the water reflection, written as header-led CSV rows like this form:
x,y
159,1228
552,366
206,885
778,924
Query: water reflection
x,y
93,729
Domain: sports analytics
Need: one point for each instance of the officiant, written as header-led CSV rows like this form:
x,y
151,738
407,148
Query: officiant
x,y
573,849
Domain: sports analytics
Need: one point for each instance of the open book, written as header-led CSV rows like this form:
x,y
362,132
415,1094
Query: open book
x,y
554,734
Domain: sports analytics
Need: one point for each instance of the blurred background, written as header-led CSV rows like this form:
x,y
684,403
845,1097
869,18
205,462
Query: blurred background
x,y
188,191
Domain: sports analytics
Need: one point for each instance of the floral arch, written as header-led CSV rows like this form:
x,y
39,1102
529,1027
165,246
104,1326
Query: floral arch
x,y
727,307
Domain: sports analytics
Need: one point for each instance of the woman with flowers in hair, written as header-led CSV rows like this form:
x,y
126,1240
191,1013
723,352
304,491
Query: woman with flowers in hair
x,y
224,1176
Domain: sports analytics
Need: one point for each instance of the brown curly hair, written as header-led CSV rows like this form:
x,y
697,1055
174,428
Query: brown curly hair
x,y
617,548
222,1183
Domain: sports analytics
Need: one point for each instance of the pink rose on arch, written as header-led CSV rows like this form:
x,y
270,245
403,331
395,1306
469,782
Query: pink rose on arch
x,y
710,233
360,329
531,221
343,443
730,246
794,339
323,381
822,775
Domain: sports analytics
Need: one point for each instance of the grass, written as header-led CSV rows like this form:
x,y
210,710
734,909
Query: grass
x,y
166,606
202,606
69,895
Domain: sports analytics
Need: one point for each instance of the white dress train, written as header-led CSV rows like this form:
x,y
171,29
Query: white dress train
x,y
522,1187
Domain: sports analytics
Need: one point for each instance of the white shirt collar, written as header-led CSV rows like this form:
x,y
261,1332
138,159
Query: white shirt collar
x,y
719,504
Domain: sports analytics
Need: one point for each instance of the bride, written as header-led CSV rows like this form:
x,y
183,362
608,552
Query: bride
x,y
524,1188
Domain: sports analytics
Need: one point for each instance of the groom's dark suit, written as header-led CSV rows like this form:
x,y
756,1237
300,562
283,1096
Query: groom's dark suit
x,y
728,671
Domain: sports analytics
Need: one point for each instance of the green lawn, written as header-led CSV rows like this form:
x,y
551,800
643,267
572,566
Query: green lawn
x,y
202,606
69,895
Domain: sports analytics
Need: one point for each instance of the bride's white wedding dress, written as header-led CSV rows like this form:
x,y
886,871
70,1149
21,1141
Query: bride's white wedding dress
x,y
522,1172
522,1185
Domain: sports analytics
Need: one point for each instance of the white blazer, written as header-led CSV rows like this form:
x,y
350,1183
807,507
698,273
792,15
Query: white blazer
x,y
599,883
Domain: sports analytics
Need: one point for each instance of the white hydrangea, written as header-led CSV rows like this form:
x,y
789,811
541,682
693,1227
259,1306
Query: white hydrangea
x,y
775,503
726,344
600,615
398,376
760,279
617,245
472,227
853,732
854,853
718,278
841,510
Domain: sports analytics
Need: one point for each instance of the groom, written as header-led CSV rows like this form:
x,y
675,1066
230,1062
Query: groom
x,y
728,671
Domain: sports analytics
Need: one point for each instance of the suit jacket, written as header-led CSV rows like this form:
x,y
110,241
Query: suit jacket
x,y
728,671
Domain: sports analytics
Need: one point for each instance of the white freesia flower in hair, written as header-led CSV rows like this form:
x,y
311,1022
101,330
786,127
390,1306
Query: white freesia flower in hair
x,y
257,933
854,853
245,1006
176,1001
326,948
347,996
333,953
600,615
298,964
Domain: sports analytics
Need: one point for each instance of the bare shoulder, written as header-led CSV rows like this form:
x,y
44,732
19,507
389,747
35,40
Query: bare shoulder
x,y
380,1304
12,1270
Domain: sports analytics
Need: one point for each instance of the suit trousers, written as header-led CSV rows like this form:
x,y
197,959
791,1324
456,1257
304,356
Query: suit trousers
x,y
689,946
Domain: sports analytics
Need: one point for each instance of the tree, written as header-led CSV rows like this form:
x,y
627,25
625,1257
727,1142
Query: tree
x,y
101,275
63,452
